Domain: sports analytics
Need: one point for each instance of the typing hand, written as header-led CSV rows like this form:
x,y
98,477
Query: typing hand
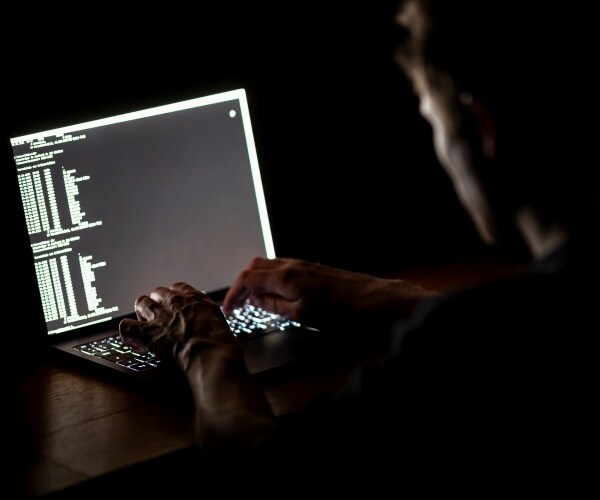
x,y
320,296
176,320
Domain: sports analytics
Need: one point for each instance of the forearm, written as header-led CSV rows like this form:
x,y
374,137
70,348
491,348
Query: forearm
x,y
231,410
405,296
391,300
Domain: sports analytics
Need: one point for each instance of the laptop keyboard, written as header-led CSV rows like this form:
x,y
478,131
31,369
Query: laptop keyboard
x,y
249,322
246,323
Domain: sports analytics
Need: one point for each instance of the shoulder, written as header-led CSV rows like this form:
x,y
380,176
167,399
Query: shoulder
x,y
526,334
549,300
475,314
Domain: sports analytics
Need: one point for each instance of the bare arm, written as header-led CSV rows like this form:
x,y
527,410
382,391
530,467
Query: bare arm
x,y
318,295
182,325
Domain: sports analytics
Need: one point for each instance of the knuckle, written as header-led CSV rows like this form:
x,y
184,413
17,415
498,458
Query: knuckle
x,y
256,261
290,274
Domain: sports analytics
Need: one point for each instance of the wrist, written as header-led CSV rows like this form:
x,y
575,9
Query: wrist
x,y
402,297
231,410
207,353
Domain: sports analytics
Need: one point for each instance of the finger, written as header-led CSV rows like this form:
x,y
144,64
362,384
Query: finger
x,y
172,297
234,298
143,336
254,282
129,331
161,294
238,293
186,288
269,281
240,289
145,308
275,304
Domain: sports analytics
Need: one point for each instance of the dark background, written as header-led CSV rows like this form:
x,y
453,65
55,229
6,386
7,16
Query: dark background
x,y
349,171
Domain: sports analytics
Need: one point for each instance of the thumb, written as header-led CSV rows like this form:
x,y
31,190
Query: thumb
x,y
131,334
275,304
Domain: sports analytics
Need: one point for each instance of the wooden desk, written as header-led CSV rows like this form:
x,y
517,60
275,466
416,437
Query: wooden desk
x,y
85,427
80,423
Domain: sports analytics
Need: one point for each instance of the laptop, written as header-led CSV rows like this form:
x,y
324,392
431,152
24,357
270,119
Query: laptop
x,y
117,206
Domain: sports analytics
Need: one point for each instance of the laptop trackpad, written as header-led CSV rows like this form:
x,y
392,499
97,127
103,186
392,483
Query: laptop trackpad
x,y
281,348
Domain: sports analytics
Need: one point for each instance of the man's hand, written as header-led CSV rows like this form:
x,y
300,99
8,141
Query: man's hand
x,y
174,321
319,295
182,324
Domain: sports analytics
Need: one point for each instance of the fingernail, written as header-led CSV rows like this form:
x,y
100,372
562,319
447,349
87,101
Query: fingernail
x,y
136,345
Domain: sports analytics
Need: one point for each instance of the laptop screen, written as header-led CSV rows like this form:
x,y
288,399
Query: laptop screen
x,y
117,206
